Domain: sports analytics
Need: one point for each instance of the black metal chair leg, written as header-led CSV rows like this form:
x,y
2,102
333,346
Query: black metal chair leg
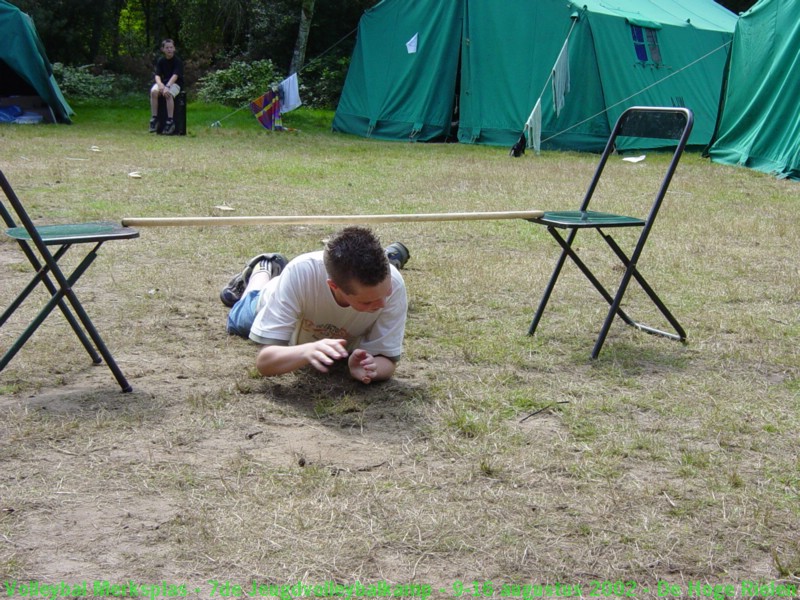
x,y
551,284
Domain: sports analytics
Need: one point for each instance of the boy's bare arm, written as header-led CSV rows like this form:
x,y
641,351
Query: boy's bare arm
x,y
276,360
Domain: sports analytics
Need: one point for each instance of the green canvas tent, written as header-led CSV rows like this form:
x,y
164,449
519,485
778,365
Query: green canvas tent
x,y
474,69
759,124
26,76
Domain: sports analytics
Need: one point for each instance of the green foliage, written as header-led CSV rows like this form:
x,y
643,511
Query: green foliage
x,y
239,83
321,82
214,24
122,37
78,82
81,84
272,31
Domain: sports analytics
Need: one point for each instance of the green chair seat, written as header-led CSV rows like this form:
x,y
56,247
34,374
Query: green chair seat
x,y
76,233
568,219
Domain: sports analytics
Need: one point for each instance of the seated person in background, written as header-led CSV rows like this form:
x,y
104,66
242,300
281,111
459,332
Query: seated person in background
x,y
345,302
169,81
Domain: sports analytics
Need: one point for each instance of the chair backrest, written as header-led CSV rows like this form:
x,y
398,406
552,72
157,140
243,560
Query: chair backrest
x,y
651,122
24,219
14,207
26,222
8,219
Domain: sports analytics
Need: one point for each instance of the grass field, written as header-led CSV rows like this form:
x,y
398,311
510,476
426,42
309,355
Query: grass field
x,y
657,470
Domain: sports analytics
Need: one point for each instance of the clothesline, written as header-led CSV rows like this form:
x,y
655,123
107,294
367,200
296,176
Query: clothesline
x,y
304,67
559,75
644,89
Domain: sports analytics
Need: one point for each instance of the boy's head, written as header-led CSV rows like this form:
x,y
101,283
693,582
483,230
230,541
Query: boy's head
x,y
357,266
168,48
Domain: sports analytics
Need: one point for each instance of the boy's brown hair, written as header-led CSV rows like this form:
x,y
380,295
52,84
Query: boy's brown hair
x,y
354,254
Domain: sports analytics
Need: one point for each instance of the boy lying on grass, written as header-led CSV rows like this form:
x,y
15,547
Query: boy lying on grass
x,y
347,301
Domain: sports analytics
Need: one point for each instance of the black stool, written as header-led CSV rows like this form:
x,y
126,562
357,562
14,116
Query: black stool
x,y
179,116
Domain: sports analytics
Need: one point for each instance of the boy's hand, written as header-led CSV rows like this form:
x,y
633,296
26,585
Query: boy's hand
x,y
362,366
323,353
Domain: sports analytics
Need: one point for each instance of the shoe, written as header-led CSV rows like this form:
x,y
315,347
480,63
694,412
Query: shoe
x,y
169,127
153,124
271,264
232,292
397,254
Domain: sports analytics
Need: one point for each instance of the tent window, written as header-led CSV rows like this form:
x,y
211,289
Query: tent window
x,y
645,43
652,46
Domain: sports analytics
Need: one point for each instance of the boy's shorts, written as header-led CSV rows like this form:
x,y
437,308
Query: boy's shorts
x,y
243,314
174,89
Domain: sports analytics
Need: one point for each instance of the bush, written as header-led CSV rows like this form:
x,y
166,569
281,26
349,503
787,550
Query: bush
x,y
321,82
78,82
240,83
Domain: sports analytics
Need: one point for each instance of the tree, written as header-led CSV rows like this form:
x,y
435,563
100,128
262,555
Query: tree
x,y
70,30
299,56
217,25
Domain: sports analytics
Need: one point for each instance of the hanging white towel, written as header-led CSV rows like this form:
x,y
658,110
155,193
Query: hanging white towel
x,y
533,127
411,45
561,78
290,94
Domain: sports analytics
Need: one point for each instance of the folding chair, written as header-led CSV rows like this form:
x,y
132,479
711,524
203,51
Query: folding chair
x,y
640,122
34,242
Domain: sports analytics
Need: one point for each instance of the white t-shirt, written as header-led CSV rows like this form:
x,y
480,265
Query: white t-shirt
x,y
298,307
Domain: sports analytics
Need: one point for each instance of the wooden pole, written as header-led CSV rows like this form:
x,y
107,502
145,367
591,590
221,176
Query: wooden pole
x,y
325,220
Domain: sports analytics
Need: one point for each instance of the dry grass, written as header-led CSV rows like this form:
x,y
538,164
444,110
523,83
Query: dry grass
x,y
656,462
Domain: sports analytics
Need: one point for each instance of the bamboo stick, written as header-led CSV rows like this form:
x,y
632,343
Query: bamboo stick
x,y
325,219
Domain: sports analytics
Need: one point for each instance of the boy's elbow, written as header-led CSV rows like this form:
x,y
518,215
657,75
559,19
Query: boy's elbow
x,y
265,364
277,360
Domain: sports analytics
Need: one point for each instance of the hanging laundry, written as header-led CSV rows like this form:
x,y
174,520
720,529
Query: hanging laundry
x,y
290,94
533,127
267,109
561,78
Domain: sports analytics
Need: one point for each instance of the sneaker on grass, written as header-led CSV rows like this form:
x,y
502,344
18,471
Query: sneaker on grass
x,y
397,254
271,262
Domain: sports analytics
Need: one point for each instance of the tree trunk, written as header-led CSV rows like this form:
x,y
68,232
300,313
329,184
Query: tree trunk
x,y
98,29
299,55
